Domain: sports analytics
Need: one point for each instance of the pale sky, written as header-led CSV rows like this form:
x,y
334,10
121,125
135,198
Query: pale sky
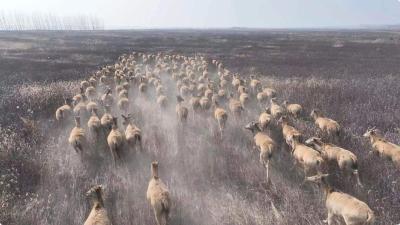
x,y
219,13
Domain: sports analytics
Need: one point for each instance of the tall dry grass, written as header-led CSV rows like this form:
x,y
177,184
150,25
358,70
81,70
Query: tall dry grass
x,y
42,181
211,181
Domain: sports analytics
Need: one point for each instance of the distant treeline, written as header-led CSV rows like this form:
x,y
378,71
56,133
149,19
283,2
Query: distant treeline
x,y
48,21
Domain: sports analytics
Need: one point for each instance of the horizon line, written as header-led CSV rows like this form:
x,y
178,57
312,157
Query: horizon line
x,y
127,28
360,27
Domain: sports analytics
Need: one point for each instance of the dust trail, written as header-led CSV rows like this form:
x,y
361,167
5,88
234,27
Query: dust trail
x,y
212,181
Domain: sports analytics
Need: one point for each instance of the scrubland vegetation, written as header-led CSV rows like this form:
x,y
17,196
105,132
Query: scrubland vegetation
x,y
43,181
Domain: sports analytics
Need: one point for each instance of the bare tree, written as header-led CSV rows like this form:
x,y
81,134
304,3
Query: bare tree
x,y
48,21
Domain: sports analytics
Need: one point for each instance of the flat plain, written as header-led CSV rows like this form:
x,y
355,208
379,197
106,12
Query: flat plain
x,y
353,76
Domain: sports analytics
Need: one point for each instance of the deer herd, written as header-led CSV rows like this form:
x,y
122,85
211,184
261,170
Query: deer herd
x,y
203,88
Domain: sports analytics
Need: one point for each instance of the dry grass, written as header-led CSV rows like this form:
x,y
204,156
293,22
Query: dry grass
x,y
42,181
211,182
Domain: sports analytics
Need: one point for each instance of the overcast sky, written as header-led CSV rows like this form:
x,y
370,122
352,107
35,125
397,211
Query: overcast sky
x,y
220,13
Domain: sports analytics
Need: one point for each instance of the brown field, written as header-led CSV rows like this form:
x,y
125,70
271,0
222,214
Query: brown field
x,y
352,76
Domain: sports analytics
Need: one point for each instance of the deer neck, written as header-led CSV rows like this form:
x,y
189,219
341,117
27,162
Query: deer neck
x,y
114,127
316,116
129,125
295,144
98,201
374,138
154,172
327,190
253,131
256,128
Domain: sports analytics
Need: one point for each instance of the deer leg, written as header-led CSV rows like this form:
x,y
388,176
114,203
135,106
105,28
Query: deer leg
x,y
330,219
357,176
166,218
77,150
305,170
114,155
158,216
267,167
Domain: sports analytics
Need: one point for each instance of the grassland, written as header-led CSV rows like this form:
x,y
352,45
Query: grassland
x,y
352,76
